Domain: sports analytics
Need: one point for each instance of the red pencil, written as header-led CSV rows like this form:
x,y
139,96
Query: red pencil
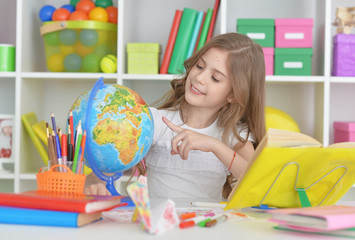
x,y
71,123
64,149
83,141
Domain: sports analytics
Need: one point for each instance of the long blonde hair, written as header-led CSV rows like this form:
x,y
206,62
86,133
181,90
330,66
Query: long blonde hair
x,y
246,67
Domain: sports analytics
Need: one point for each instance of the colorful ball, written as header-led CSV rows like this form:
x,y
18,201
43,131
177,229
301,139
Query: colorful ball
x,y
85,6
65,49
112,14
91,63
61,14
82,50
74,2
102,50
46,12
103,3
88,37
72,63
68,36
108,64
69,7
98,14
55,62
78,16
52,38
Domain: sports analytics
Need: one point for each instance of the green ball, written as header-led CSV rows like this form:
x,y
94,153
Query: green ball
x,y
52,38
72,63
68,36
74,2
88,37
102,50
91,63
103,3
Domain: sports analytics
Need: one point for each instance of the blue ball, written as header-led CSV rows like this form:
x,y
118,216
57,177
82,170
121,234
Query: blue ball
x,y
68,36
72,62
69,7
45,14
88,37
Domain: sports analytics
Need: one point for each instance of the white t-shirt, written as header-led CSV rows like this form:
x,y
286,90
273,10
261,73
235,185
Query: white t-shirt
x,y
201,176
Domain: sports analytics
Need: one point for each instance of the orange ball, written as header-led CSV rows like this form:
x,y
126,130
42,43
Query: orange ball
x,y
112,14
98,14
78,16
85,6
61,14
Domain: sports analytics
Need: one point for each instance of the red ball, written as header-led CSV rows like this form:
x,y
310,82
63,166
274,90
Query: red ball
x,y
85,6
78,16
112,14
61,14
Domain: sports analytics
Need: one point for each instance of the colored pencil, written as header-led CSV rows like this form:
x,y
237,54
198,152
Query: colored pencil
x,y
77,148
83,142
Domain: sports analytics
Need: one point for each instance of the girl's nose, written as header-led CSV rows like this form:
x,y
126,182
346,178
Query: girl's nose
x,y
201,77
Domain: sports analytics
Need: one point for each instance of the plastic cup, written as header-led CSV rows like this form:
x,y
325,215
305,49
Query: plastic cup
x,y
7,58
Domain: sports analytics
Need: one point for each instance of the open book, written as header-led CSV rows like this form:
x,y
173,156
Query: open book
x,y
286,161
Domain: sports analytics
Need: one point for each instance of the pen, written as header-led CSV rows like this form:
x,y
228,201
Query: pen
x,y
70,156
188,215
71,125
195,220
219,219
208,204
64,149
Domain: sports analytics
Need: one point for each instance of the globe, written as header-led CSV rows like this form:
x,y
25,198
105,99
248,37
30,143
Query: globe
x,y
118,124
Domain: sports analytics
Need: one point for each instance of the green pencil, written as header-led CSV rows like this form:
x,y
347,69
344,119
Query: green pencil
x,y
77,148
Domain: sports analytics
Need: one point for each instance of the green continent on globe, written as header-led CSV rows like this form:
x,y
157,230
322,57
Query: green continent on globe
x,y
106,132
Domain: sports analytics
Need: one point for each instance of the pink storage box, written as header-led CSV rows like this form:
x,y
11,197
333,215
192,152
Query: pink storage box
x,y
293,32
344,132
269,60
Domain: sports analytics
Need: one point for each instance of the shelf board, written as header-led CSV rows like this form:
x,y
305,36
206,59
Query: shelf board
x,y
306,79
71,76
28,176
157,77
342,79
7,176
7,74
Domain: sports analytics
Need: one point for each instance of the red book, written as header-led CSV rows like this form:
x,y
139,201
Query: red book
x,y
213,20
171,41
56,201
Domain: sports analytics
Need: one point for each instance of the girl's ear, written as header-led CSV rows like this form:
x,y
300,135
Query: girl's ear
x,y
230,99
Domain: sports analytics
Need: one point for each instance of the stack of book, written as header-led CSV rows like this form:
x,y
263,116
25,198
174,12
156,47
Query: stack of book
x,y
54,209
190,30
325,220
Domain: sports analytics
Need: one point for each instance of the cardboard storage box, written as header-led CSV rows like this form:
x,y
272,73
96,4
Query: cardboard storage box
x,y
261,31
344,55
293,61
344,132
143,58
293,32
269,60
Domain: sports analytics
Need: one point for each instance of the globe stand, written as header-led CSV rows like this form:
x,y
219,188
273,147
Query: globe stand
x,y
108,179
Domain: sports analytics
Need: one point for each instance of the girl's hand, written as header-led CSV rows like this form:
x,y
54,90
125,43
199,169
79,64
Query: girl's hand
x,y
187,140
96,189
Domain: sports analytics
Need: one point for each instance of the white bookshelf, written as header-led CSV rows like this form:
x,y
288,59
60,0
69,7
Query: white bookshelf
x,y
315,102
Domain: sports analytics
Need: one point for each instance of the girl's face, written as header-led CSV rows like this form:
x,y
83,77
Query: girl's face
x,y
208,83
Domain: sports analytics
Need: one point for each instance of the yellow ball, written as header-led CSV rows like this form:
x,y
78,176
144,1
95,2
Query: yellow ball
x,y
275,118
108,64
55,62
66,49
98,14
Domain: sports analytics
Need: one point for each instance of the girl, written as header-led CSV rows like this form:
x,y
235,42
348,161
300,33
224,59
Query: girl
x,y
208,124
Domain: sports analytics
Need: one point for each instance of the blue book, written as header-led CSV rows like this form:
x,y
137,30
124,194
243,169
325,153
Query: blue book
x,y
195,34
27,216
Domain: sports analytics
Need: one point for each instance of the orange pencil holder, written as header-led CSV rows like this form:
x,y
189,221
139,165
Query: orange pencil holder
x,y
62,181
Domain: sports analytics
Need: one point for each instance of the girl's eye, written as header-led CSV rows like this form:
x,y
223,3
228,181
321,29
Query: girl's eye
x,y
198,66
215,79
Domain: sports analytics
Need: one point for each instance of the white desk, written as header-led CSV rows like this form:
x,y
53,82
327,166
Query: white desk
x,y
108,230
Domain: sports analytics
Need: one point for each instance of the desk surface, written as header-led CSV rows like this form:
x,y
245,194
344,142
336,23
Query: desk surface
x,y
107,229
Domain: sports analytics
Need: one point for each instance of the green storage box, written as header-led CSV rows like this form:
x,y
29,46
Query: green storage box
x,y
293,61
260,30
143,58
